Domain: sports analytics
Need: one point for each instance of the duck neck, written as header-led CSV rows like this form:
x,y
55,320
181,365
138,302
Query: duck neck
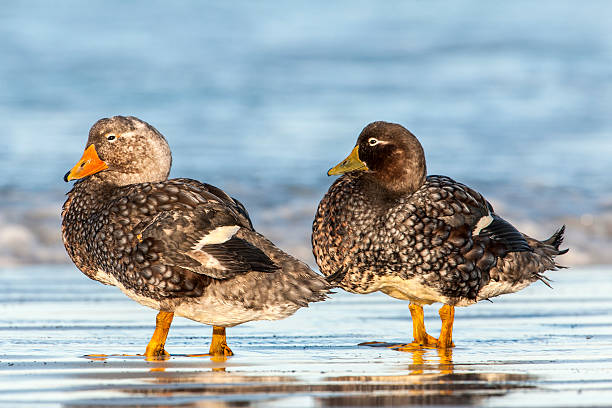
x,y
89,193
400,181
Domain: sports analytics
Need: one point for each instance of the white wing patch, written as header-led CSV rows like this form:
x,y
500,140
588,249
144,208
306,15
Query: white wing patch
x,y
206,260
217,236
482,223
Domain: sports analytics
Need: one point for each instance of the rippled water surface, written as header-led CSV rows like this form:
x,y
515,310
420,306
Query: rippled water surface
x,y
540,347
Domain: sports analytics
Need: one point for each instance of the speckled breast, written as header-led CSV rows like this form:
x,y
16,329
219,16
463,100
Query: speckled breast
x,y
409,238
104,232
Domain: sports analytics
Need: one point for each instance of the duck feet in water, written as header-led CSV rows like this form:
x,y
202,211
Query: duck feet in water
x,y
218,345
155,348
421,338
447,315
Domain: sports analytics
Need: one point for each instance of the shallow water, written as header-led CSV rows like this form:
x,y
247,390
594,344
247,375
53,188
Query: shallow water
x,y
513,98
540,347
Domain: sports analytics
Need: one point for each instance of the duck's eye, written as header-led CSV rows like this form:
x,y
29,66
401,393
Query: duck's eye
x,y
373,141
111,137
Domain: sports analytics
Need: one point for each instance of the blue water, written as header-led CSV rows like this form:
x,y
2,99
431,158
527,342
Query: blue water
x,y
261,98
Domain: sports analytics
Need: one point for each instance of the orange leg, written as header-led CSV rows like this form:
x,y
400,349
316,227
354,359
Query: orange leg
x,y
155,348
421,337
218,345
447,315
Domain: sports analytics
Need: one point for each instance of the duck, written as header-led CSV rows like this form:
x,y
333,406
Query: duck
x,y
179,246
385,225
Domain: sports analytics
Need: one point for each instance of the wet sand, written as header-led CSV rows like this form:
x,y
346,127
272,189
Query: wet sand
x,y
540,347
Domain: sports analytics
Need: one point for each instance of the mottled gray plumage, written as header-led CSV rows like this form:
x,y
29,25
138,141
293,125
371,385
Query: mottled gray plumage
x,y
176,245
425,239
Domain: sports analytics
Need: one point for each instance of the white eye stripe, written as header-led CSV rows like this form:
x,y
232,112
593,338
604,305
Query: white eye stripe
x,y
373,141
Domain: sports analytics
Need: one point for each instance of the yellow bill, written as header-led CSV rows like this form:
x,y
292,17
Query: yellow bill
x,y
351,163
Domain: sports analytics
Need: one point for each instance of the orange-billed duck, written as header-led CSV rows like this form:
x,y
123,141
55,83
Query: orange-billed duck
x,y
179,246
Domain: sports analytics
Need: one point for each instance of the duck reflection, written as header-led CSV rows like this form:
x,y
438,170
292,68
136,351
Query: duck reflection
x,y
428,360
431,381
160,363
424,359
430,378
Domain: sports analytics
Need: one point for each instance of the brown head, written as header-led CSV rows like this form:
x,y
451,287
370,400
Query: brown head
x,y
390,154
123,150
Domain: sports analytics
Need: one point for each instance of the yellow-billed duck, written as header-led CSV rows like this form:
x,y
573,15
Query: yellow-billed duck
x,y
384,225
179,246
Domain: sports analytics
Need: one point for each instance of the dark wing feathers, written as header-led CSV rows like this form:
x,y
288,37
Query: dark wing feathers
x,y
499,233
474,236
233,206
502,232
200,211
487,243
243,211
239,256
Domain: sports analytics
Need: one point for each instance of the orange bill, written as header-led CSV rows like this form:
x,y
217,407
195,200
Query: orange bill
x,y
89,164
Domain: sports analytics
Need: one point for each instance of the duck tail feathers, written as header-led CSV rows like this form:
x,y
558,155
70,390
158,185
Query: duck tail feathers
x,y
556,240
546,251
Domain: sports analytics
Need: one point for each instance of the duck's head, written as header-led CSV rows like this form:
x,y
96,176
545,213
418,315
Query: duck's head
x,y
390,154
123,150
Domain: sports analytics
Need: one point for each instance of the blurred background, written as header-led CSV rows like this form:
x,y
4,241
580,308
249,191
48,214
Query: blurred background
x,y
261,98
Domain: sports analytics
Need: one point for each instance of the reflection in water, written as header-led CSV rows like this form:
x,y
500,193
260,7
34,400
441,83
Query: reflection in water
x,y
422,361
159,359
421,356
430,379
